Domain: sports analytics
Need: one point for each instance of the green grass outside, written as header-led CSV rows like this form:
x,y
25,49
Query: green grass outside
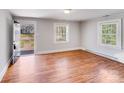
x,y
25,42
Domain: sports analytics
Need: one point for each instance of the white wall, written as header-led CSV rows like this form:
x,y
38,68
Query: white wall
x,y
81,34
45,35
5,39
89,37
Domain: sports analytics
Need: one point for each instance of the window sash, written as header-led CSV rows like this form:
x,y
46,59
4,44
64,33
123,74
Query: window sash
x,y
61,33
115,24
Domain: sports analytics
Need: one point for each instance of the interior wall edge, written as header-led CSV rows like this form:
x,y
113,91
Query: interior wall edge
x,y
103,55
58,50
5,68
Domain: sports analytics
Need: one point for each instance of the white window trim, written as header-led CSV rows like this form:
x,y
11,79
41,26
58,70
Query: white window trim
x,y
118,33
67,33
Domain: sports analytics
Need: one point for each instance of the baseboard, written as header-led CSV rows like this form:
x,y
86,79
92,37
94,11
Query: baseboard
x,y
58,50
5,68
103,55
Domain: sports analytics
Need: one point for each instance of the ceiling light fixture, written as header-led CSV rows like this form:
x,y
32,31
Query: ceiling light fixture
x,y
67,11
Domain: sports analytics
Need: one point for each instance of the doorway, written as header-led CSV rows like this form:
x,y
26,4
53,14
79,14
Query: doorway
x,y
24,37
27,38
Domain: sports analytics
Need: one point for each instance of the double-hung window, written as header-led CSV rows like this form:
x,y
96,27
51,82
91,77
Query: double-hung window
x,y
61,33
110,33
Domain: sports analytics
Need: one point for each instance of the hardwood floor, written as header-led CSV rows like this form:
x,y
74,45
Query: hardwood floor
x,y
73,66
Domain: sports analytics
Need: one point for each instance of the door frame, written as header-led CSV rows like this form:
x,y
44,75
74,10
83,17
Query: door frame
x,y
35,29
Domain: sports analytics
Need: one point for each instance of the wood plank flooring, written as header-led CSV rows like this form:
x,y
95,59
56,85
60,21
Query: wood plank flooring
x,y
65,67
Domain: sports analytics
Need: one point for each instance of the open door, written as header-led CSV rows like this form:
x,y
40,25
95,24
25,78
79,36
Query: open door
x,y
16,40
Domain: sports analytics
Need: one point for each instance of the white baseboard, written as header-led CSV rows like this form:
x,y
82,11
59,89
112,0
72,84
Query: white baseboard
x,y
58,50
103,55
5,68
69,49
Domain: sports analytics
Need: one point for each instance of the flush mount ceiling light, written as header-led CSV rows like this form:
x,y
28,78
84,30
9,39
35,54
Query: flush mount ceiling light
x,y
67,11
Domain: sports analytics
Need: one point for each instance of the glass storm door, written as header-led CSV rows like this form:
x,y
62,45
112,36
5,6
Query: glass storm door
x,y
16,39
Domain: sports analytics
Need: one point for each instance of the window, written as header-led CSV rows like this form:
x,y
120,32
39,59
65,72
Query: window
x,y
110,33
61,33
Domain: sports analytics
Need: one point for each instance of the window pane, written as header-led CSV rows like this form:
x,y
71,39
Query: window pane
x,y
109,34
61,33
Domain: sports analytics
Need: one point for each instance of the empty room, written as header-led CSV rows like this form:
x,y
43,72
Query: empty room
x,y
62,46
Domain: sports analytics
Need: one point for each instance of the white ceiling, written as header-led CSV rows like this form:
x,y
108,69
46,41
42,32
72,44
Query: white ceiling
x,y
76,14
